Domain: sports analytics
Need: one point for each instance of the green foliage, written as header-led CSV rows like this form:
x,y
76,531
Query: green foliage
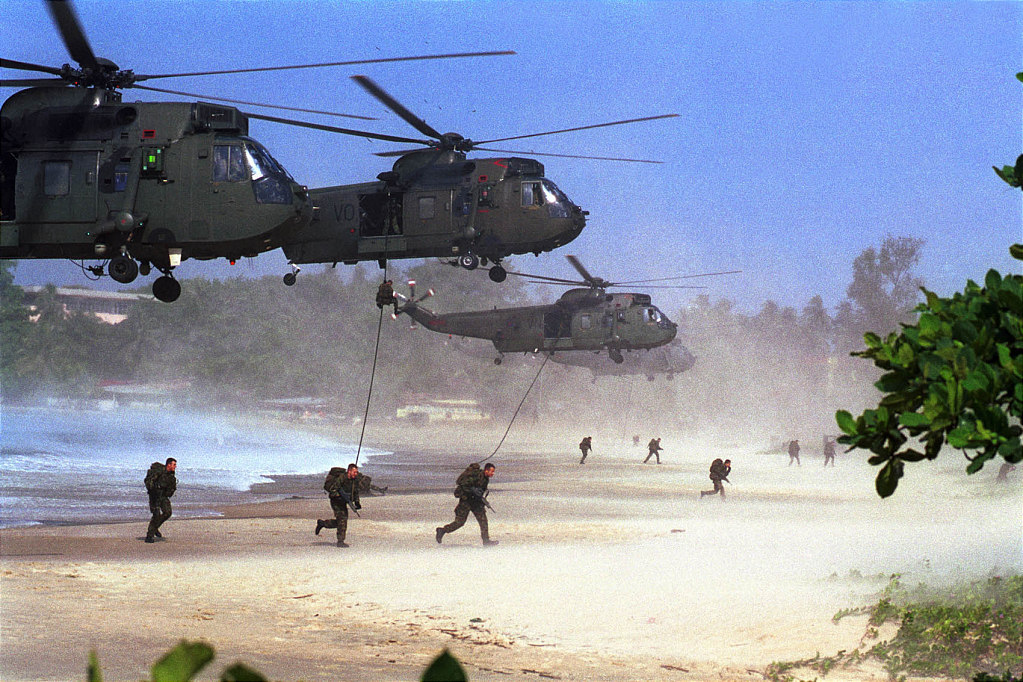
x,y
955,376
182,663
444,668
1013,175
93,673
941,633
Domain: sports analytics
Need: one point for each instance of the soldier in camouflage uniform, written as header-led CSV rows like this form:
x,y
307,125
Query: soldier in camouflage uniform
x,y
343,489
470,489
160,484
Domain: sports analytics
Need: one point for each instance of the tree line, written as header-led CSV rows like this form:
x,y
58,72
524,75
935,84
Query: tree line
x,y
238,342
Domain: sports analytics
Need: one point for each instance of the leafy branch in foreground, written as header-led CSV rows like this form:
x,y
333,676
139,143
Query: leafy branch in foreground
x,y
947,633
1013,174
955,376
183,663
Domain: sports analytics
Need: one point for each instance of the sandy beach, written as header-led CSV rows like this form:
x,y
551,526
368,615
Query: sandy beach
x,y
612,570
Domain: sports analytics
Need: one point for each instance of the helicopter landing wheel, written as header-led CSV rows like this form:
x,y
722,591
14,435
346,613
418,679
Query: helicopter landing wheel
x,y
497,361
166,289
469,260
616,355
144,268
498,274
123,269
289,279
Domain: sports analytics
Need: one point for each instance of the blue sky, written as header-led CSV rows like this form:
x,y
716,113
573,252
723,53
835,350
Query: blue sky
x,y
807,132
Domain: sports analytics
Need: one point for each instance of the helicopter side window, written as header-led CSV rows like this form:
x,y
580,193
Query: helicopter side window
x,y
532,195
228,163
585,322
427,207
621,317
56,178
121,177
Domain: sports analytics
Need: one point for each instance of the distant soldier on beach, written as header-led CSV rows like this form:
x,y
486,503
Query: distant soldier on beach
x,y
160,484
829,450
585,446
794,452
718,472
366,486
471,491
343,488
654,446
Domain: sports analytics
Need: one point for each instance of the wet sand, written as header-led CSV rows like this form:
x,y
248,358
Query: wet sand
x,y
612,570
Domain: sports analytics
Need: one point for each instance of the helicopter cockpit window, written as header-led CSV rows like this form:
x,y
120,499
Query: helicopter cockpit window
x,y
655,316
532,195
269,179
56,178
228,163
557,202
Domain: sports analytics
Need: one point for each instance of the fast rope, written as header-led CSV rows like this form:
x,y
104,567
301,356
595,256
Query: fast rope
x,y
372,376
542,365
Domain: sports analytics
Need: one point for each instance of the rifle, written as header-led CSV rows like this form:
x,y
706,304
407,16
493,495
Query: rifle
x,y
478,495
348,500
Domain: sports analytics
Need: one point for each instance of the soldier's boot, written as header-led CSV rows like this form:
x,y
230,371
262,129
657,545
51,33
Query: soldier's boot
x,y
158,534
319,526
150,539
488,541
342,543
703,494
440,535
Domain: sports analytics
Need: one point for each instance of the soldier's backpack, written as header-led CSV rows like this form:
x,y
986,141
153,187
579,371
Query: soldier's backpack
x,y
155,469
330,482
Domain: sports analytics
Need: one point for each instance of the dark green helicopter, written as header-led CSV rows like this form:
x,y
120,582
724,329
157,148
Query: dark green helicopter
x,y
144,186
583,319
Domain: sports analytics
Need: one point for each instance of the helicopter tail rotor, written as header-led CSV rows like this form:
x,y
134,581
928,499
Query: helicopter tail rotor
x,y
410,302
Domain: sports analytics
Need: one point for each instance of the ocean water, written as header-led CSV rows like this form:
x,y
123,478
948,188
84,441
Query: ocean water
x,y
71,466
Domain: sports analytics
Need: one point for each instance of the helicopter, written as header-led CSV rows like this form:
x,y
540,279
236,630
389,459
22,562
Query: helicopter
x,y
668,360
148,185
587,318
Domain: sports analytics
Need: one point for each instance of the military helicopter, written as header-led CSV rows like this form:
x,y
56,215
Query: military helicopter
x,y
587,318
149,185
435,202
668,360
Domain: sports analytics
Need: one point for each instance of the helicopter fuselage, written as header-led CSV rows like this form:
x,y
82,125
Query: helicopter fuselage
x,y
438,204
581,320
86,176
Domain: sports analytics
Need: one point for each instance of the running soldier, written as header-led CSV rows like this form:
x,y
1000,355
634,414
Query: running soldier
x,y
471,491
829,451
343,488
794,453
585,446
654,446
718,472
160,484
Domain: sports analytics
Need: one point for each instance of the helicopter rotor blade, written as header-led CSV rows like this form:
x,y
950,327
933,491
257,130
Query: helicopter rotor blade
x,y
668,279
564,156
403,152
31,82
27,66
396,106
253,104
326,64
63,15
543,279
590,279
334,129
569,130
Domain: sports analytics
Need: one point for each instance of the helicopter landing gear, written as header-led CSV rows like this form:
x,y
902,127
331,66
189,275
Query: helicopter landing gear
x,y
123,269
144,268
498,274
616,355
166,289
289,279
498,360
469,260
